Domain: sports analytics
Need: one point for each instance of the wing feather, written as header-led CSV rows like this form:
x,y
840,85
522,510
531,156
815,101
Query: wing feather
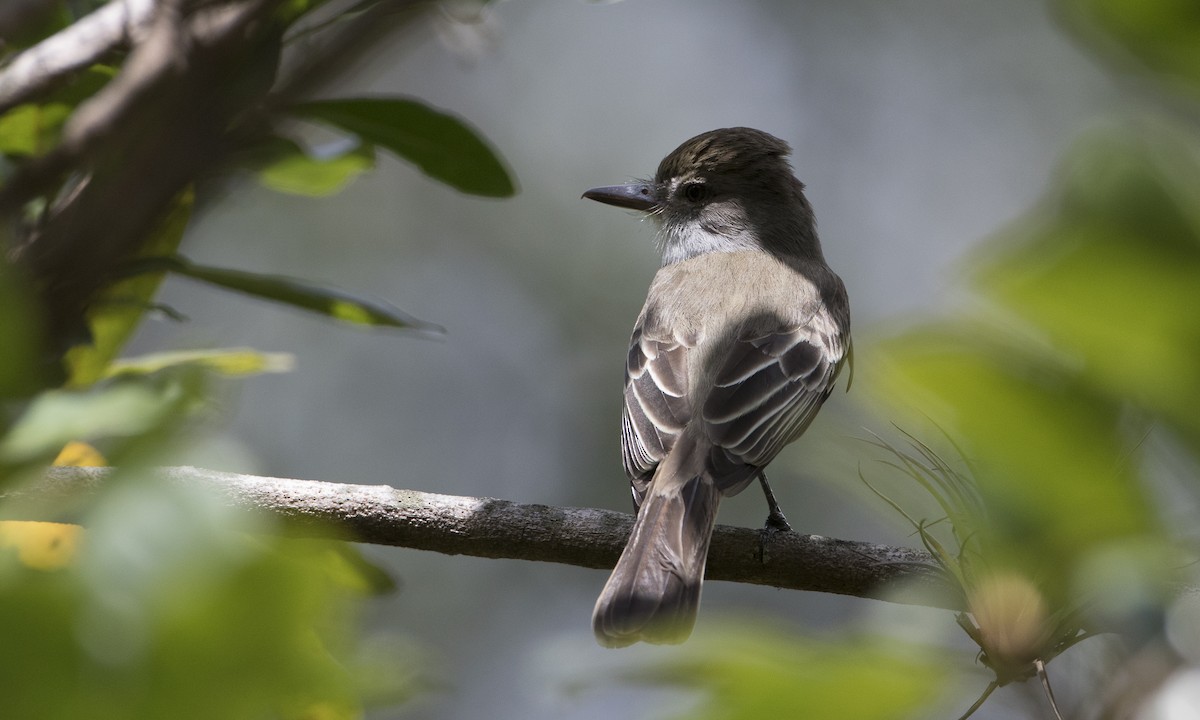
x,y
657,406
770,388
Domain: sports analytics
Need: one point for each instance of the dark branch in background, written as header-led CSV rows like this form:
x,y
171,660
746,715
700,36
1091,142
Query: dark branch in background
x,y
306,68
490,528
197,87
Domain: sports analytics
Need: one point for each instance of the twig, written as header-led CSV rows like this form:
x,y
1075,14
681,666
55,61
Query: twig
x,y
37,69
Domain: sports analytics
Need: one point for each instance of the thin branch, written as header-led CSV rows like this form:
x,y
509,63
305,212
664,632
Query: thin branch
x,y
491,528
39,68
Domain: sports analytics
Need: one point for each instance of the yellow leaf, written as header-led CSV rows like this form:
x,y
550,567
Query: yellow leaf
x,y
80,454
41,545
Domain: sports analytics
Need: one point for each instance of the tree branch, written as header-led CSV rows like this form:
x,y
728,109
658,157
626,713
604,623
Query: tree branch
x,y
491,528
136,144
37,69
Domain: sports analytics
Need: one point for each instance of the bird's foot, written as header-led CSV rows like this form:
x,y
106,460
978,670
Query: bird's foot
x,y
776,522
775,518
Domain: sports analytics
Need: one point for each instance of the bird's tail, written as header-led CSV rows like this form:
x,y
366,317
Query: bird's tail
x,y
654,591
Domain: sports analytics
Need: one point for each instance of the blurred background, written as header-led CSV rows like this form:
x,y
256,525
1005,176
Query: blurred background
x,y
920,128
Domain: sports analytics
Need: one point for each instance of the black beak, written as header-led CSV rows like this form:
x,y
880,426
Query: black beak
x,y
637,196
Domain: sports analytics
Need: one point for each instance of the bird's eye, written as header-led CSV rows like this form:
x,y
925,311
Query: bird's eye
x,y
695,192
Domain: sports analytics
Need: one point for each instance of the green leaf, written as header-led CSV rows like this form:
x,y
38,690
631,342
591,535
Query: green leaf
x,y
345,563
84,85
120,410
337,304
234,362
296,172
439,144
169,611
31,130
1043,441
754,672
113,316
1109,272
1163,35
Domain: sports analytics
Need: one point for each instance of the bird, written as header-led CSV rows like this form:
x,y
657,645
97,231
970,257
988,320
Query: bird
x,y
743,334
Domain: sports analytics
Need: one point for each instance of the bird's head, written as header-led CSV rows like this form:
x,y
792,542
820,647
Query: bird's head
x,y
722,191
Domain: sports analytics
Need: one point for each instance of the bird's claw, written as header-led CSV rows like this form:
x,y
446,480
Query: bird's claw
x,y
777,522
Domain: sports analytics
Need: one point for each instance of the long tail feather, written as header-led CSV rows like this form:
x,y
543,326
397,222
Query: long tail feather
x,y
653,593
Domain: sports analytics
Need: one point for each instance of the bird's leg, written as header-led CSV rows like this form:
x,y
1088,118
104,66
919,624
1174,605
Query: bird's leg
x,y
775,518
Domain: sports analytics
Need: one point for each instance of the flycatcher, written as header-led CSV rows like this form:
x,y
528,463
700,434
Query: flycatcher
x,y
743,334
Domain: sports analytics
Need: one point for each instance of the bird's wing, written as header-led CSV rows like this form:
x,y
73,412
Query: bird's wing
x,y
657,404
769,388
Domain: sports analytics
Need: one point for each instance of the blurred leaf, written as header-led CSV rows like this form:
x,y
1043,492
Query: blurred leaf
x,y
79,454
346,564
1008,615
33,129
40,545
336,304
296,172
441,145
30,130
122,409
1109,269
114,316
235,362
751,673
1164,35
84,84
1050,458
169,613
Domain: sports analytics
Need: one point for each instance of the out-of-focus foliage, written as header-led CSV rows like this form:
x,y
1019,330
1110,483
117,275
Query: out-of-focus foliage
x,y
1086,341
1044,445
747,672
167,613
1160,35
33,128
1108,272
124,408
80,454
291,169
1052,395
1004,612
49,545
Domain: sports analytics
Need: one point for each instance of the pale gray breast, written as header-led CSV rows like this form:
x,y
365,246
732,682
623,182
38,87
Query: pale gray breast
x,y
747,374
